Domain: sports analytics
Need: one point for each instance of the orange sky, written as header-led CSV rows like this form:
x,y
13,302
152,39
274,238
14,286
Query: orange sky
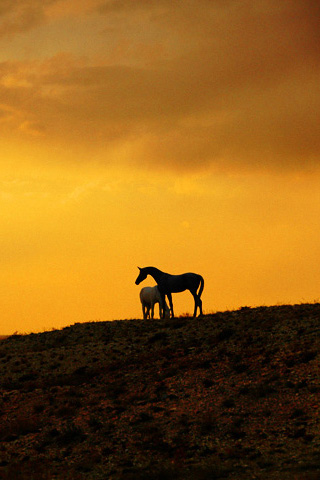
x,y
179,134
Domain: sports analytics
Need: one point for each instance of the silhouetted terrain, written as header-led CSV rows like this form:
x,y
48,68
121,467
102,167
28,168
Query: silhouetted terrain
x,y
231,395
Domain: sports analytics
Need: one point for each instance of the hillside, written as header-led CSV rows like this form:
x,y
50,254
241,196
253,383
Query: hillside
x,y
233,395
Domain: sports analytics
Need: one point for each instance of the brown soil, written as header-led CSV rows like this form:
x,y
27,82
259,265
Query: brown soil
x,y
233,395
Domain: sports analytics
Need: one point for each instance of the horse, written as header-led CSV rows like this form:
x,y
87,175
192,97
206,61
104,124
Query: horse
x,y
149,296
168,284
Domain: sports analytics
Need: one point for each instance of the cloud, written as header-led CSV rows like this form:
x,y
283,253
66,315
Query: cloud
x,y
31,128
22,15
235,85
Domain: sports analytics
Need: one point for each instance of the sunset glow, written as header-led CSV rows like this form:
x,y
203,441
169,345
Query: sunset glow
x,y
183,135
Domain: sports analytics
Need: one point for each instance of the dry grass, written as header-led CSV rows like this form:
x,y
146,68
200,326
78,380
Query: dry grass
x,y
232,395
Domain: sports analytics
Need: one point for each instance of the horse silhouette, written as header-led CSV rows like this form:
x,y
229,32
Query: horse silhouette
x,y
168,284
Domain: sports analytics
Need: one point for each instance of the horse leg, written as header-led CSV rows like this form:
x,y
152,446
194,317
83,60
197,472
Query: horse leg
x,y
195,304
198,303
152,310
170,303
161,310
200,306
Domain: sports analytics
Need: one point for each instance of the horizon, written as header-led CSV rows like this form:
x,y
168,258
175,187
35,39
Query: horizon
x,y
182,135
185,316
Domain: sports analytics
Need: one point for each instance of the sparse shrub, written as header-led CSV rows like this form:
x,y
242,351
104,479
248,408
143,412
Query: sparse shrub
x,y
261,390
297,412
94,423
21,425
69,409
161,337
236,432
163,471
267,413
225,334
8,384
80,370
308,476
38,408
240,367
212,469
233,452
266,360
204,364
207,382
74,393
54,366
28,376
115,390
302,384
175,323
70,433
62,338
145,417
88,462
257,391
307,356
289,384
152,437
228,403
299,432
314,388
171,371
27,469
207,423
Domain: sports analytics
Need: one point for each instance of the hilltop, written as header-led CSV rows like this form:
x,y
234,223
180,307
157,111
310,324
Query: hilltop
x,y
232,395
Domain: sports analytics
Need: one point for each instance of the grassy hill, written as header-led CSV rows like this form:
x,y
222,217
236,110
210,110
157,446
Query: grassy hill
x,y
233,395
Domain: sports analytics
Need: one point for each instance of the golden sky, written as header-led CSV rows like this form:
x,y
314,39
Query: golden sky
x,y
179,134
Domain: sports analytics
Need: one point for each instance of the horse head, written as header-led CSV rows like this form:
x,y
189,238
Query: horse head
x,y
142,276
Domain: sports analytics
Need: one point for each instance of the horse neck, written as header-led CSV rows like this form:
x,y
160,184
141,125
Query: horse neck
x,y
155,273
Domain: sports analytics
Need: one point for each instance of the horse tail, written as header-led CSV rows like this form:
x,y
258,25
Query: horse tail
x,y
201,286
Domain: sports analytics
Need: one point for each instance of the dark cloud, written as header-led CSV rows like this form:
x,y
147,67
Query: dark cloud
x,y
127,5
21,15
241,89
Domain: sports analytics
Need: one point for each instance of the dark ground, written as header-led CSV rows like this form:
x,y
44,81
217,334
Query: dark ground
x,y
233,395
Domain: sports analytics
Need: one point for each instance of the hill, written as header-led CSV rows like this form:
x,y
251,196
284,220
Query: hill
x,y
233,395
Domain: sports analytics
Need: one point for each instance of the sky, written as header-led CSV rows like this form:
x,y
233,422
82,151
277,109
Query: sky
x,y
183,135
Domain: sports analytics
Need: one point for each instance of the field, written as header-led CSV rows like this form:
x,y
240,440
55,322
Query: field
x,y
233,395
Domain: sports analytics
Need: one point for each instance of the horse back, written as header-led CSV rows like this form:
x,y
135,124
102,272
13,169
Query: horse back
x,y
179,283
149,295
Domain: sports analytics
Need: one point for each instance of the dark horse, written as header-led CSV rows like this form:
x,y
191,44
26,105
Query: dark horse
x,y
168,284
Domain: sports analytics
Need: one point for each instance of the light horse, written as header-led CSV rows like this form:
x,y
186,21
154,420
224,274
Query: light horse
x,y
149,296
168,284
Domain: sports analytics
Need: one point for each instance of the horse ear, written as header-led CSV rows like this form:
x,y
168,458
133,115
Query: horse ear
x,y
139,268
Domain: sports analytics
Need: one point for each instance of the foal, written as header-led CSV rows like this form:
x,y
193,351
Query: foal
x,y
149,296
